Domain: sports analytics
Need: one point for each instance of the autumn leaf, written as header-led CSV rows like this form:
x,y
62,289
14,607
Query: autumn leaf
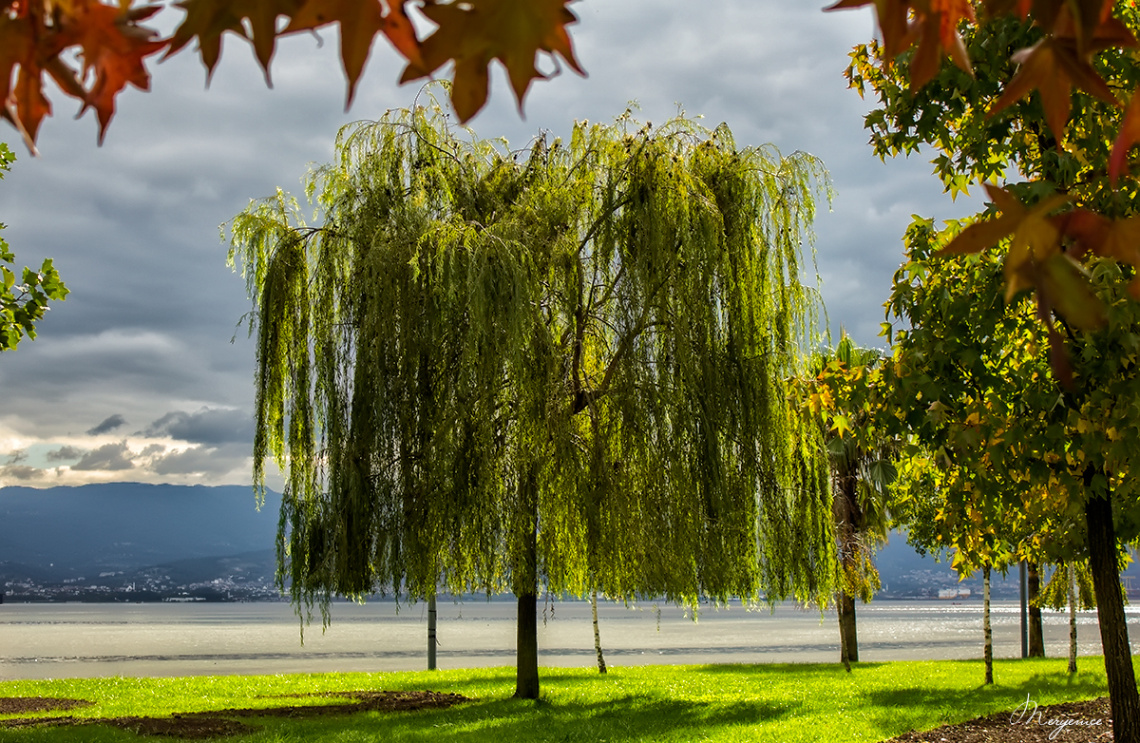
x,y
1128,135
937,33
208,20
113,52
893,24
1055,64
474,33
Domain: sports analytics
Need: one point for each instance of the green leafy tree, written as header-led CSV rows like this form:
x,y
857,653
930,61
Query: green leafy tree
x,y
23,297
840,394
561,368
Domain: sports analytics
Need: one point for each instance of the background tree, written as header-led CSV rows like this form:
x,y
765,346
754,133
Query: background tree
x,y
562,368
23,304
840,395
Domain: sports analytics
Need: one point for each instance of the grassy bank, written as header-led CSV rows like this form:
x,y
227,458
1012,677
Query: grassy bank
x,y
786,702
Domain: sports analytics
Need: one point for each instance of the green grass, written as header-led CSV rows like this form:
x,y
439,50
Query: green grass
x,y
779,702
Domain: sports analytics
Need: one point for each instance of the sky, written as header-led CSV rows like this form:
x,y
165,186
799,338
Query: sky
x,y
145,373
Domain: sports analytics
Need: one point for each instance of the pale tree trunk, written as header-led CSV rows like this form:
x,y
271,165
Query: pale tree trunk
x,y
988,652
1036,632
597,634
1072,618
1122,694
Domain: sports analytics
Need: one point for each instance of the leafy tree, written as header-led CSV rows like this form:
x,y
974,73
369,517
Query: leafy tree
x,y
841,395
559,368
23,304
1051,466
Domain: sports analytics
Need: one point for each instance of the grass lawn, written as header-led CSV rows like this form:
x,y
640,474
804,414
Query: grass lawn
x,y
778,702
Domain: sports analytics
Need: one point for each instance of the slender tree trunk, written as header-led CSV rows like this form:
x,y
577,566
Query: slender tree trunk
x,y
1124,700
848,634
526,589
988,652
844,507
842,636
431,633
1036,633
597,634
1072,618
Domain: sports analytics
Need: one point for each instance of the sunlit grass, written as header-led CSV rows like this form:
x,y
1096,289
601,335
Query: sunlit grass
x,y
784,702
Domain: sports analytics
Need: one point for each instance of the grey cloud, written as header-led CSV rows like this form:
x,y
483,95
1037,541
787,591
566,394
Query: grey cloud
x,y
201,461
64,453
208,426
107,457
16,457
108,424
21,472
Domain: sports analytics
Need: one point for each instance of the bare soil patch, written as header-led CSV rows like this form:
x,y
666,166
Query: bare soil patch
x,y
227,722
1071,722
24,705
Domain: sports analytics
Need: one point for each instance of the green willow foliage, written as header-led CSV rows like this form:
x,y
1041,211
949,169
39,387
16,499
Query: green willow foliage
x,y
565,366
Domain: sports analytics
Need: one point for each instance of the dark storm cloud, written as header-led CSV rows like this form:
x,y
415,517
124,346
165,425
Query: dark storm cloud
x,y
64,454
108,424
210,426
106,457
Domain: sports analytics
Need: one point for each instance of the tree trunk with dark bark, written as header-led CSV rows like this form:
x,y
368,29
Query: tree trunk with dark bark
x,y
1036,634
526,589
1072,618
848,635
987,632
1123,697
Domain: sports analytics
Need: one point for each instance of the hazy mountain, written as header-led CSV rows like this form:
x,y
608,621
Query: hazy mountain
x,y
126,526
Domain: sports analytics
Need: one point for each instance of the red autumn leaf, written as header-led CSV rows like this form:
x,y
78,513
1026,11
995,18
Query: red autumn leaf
x,y
893,24
1128,135
113,51
207,20
476,32
1055,64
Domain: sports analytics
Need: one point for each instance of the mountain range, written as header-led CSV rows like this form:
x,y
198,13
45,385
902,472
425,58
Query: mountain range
x,y
162,541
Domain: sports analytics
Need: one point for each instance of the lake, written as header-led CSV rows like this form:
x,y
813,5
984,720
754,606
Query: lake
x,y
174,639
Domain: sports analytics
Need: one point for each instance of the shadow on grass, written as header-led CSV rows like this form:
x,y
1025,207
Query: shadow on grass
x,y
629,718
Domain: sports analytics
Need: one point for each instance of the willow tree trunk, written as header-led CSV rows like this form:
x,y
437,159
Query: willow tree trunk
x,y
1124,700
987,632
597,633
1072,618
1036,634
526,589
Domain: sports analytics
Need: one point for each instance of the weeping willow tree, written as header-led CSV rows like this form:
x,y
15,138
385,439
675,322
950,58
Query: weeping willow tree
x,y
555,369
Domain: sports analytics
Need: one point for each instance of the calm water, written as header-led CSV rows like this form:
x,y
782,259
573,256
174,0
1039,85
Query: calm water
x,y
85,640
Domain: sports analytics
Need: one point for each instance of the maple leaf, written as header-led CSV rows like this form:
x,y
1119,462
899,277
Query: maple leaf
x,y
1118,239
113,49
208,20
1128,135
937,34
893,24
359,21
474,33
1055,64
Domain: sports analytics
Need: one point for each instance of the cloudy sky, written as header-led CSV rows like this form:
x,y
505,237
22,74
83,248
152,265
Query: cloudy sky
x,y
143,373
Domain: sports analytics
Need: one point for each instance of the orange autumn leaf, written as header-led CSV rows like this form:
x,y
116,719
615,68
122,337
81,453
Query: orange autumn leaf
x,y
474,33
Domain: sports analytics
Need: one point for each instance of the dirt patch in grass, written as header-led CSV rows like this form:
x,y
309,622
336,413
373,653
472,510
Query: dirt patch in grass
x,y
24,705
226,722
1070,722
